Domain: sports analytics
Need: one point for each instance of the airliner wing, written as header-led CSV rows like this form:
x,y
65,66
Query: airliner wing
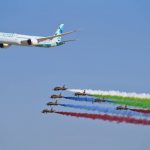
x,y
51,37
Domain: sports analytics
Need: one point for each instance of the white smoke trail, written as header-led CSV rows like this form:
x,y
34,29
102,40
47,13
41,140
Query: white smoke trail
x,y
113,93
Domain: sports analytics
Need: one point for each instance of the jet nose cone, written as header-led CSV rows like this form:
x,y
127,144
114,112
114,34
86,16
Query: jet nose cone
x,y
48,104
42,111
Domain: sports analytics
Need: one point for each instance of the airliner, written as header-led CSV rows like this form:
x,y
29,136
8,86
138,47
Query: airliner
x,y
9,39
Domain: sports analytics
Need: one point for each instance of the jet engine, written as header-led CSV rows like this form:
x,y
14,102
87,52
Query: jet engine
x,y
4,45
32,42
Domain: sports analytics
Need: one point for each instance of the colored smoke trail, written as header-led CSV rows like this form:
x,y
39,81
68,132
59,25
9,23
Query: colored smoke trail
x,y
135,103
107,110
114,93
106,117
85,99
121,97
141,111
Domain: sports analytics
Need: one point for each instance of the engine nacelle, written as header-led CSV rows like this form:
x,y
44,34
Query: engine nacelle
x,y
32,42
4,45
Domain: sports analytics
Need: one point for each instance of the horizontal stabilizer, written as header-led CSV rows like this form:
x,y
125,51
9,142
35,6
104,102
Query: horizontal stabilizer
x,y
70,40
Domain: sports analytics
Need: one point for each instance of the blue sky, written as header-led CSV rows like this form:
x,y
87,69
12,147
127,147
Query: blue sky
x,y
112,53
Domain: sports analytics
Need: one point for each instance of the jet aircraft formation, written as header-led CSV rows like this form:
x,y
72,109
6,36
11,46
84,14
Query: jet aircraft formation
x,y
108,109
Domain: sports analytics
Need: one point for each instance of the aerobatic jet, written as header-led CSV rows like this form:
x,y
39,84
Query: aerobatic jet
x,y
80,93
9,39
56,96
48,111
59,88
52,103
122,108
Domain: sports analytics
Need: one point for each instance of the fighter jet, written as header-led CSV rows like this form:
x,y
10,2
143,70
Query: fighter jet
x,y
63,88
80,93
56,96
48,111
99,100
52,103
122,108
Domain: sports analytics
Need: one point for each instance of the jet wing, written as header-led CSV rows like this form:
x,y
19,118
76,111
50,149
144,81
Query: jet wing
x,y
51,37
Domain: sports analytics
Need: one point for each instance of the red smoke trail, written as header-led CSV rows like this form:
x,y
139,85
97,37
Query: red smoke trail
x,y
141,110
106,117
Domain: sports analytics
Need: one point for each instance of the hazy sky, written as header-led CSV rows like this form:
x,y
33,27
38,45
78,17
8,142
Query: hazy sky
x,y
112,53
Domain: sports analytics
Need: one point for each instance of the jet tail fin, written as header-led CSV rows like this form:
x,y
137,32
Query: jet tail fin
x,y
59,31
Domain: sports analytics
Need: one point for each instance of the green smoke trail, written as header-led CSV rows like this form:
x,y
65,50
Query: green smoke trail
x,y
116,97
130,101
